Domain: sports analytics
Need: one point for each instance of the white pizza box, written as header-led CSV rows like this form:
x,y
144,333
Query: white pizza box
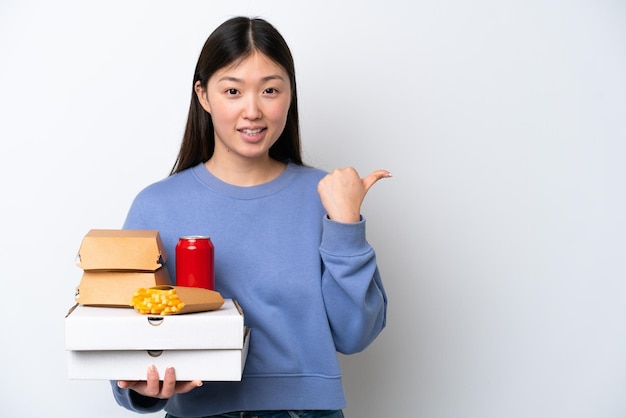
x,y
90,328
206,365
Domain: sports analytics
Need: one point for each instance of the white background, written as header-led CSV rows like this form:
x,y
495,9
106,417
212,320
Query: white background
x,y
501,237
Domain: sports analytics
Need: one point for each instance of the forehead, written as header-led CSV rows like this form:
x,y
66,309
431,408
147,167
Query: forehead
x,y
255,66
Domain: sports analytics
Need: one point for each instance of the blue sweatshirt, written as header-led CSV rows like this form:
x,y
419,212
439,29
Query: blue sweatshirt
x,y
309,287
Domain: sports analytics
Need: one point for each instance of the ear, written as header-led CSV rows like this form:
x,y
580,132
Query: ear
x,y
203,98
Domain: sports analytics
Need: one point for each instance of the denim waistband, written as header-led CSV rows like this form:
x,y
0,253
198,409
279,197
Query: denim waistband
x,y
276,414
259,414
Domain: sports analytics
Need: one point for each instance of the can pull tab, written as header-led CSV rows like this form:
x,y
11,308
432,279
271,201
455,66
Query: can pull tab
x,y
155,321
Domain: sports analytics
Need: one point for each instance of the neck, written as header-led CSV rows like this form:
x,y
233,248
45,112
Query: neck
x,y
250,173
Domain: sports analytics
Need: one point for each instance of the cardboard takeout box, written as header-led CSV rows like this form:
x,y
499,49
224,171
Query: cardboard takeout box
x,y
116,288
121,249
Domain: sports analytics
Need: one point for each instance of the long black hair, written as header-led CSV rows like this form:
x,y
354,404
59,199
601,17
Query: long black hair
x,y
235,40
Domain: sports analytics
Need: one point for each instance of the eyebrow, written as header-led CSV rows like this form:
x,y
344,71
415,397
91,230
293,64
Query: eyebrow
x,y
266,78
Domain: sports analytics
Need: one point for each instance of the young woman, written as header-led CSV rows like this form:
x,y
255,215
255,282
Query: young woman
x,y
289,239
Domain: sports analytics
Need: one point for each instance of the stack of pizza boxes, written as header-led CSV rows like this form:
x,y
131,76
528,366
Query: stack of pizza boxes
x,y
107,338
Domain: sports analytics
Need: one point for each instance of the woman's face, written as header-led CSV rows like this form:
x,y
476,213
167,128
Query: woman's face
x,y
248,103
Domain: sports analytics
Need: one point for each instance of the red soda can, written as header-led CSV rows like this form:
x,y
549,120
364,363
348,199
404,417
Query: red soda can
x,y
194,262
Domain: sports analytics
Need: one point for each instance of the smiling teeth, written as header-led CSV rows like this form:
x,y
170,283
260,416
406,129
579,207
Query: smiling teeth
x,y
251,131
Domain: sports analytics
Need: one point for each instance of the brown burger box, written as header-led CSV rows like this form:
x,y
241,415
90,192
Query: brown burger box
x,y
121,249
116,262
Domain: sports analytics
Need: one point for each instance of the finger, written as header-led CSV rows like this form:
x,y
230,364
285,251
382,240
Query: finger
x,y
184,387
153,386
169,383
123,384
373,177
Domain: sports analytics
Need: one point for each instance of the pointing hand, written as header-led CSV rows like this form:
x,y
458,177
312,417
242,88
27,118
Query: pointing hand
x,y
342,192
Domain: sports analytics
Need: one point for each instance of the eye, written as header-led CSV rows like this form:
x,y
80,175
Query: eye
x,y
232,92
270,90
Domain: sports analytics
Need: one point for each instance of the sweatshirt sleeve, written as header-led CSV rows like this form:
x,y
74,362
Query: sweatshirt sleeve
x,y
355,299
134,402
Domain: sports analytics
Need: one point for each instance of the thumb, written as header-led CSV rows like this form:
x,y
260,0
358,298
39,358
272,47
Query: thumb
x,y
373,177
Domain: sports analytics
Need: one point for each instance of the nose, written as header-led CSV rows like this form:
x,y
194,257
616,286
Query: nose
x,y
252,110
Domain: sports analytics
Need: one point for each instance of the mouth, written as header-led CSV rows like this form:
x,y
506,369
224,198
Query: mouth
x,y
248,131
